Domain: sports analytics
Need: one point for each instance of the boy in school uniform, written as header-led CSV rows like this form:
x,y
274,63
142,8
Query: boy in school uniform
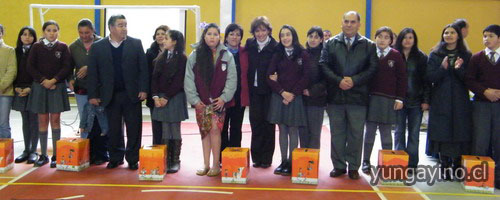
x,y
483,79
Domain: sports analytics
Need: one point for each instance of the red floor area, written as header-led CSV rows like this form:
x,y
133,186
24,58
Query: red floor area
x,y
97,182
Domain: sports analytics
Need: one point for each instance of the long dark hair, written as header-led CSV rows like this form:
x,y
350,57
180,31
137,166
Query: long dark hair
x,y
19,43
297,47
460,41
204,58
178,51
399,41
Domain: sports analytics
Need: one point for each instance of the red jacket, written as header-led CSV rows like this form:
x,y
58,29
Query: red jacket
x,y
244,93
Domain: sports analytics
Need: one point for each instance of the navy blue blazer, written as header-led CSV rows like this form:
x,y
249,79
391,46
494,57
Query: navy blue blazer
x,y
100,70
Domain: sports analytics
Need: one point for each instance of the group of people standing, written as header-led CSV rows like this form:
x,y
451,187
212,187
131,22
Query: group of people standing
x,y
363,85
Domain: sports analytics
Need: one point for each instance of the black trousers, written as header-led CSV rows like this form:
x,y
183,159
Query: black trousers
x,y
231,132
122,108
157,129
98,143
263,132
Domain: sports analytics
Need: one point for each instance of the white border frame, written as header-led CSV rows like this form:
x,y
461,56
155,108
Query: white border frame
x,y
194,8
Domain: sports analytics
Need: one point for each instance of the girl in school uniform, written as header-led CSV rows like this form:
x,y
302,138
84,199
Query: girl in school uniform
x,y
49,63
315,94
450,122
22,88
167,87
387,93
291,65
210,83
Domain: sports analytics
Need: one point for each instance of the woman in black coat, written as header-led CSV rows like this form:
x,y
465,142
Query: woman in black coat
x,y
449,116
260,48
151,54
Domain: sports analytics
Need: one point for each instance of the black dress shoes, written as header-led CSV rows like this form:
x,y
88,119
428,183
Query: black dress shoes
x,y
114,164
32,158
53,162
133,166
23,157
42,160
287,170
353,174
337,172
278,170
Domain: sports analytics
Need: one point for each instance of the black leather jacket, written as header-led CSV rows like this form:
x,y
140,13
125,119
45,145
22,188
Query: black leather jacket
x,y
359,63
419,89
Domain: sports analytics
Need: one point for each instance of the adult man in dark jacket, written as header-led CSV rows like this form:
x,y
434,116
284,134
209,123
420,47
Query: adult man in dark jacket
x,y
348,61
118,80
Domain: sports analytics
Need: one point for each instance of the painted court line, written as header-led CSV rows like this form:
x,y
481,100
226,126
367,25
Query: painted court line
x,y
198,191
421,193
251,188
379,193
7,177
17,178
71,197
375,188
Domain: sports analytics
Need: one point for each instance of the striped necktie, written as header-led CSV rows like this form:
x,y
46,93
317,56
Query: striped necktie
x,y
348,43
492,57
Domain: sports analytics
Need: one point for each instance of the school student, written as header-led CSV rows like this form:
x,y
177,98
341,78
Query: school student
x,y
387,93
417,96
483,79
291,65
49,63
315,94
167,87
22,87
450,120
210,83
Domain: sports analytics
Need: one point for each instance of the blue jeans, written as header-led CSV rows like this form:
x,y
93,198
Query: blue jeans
x,y
81,100
414,117
5,106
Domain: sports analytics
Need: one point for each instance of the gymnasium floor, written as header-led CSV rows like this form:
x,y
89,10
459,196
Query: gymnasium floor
x,y
97,182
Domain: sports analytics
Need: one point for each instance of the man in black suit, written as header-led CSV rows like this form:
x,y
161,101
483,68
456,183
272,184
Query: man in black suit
x,y
118,80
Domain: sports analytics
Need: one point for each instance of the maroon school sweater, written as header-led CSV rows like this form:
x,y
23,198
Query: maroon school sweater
x,y
482,74
390,80
293,75
168,85
48,63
